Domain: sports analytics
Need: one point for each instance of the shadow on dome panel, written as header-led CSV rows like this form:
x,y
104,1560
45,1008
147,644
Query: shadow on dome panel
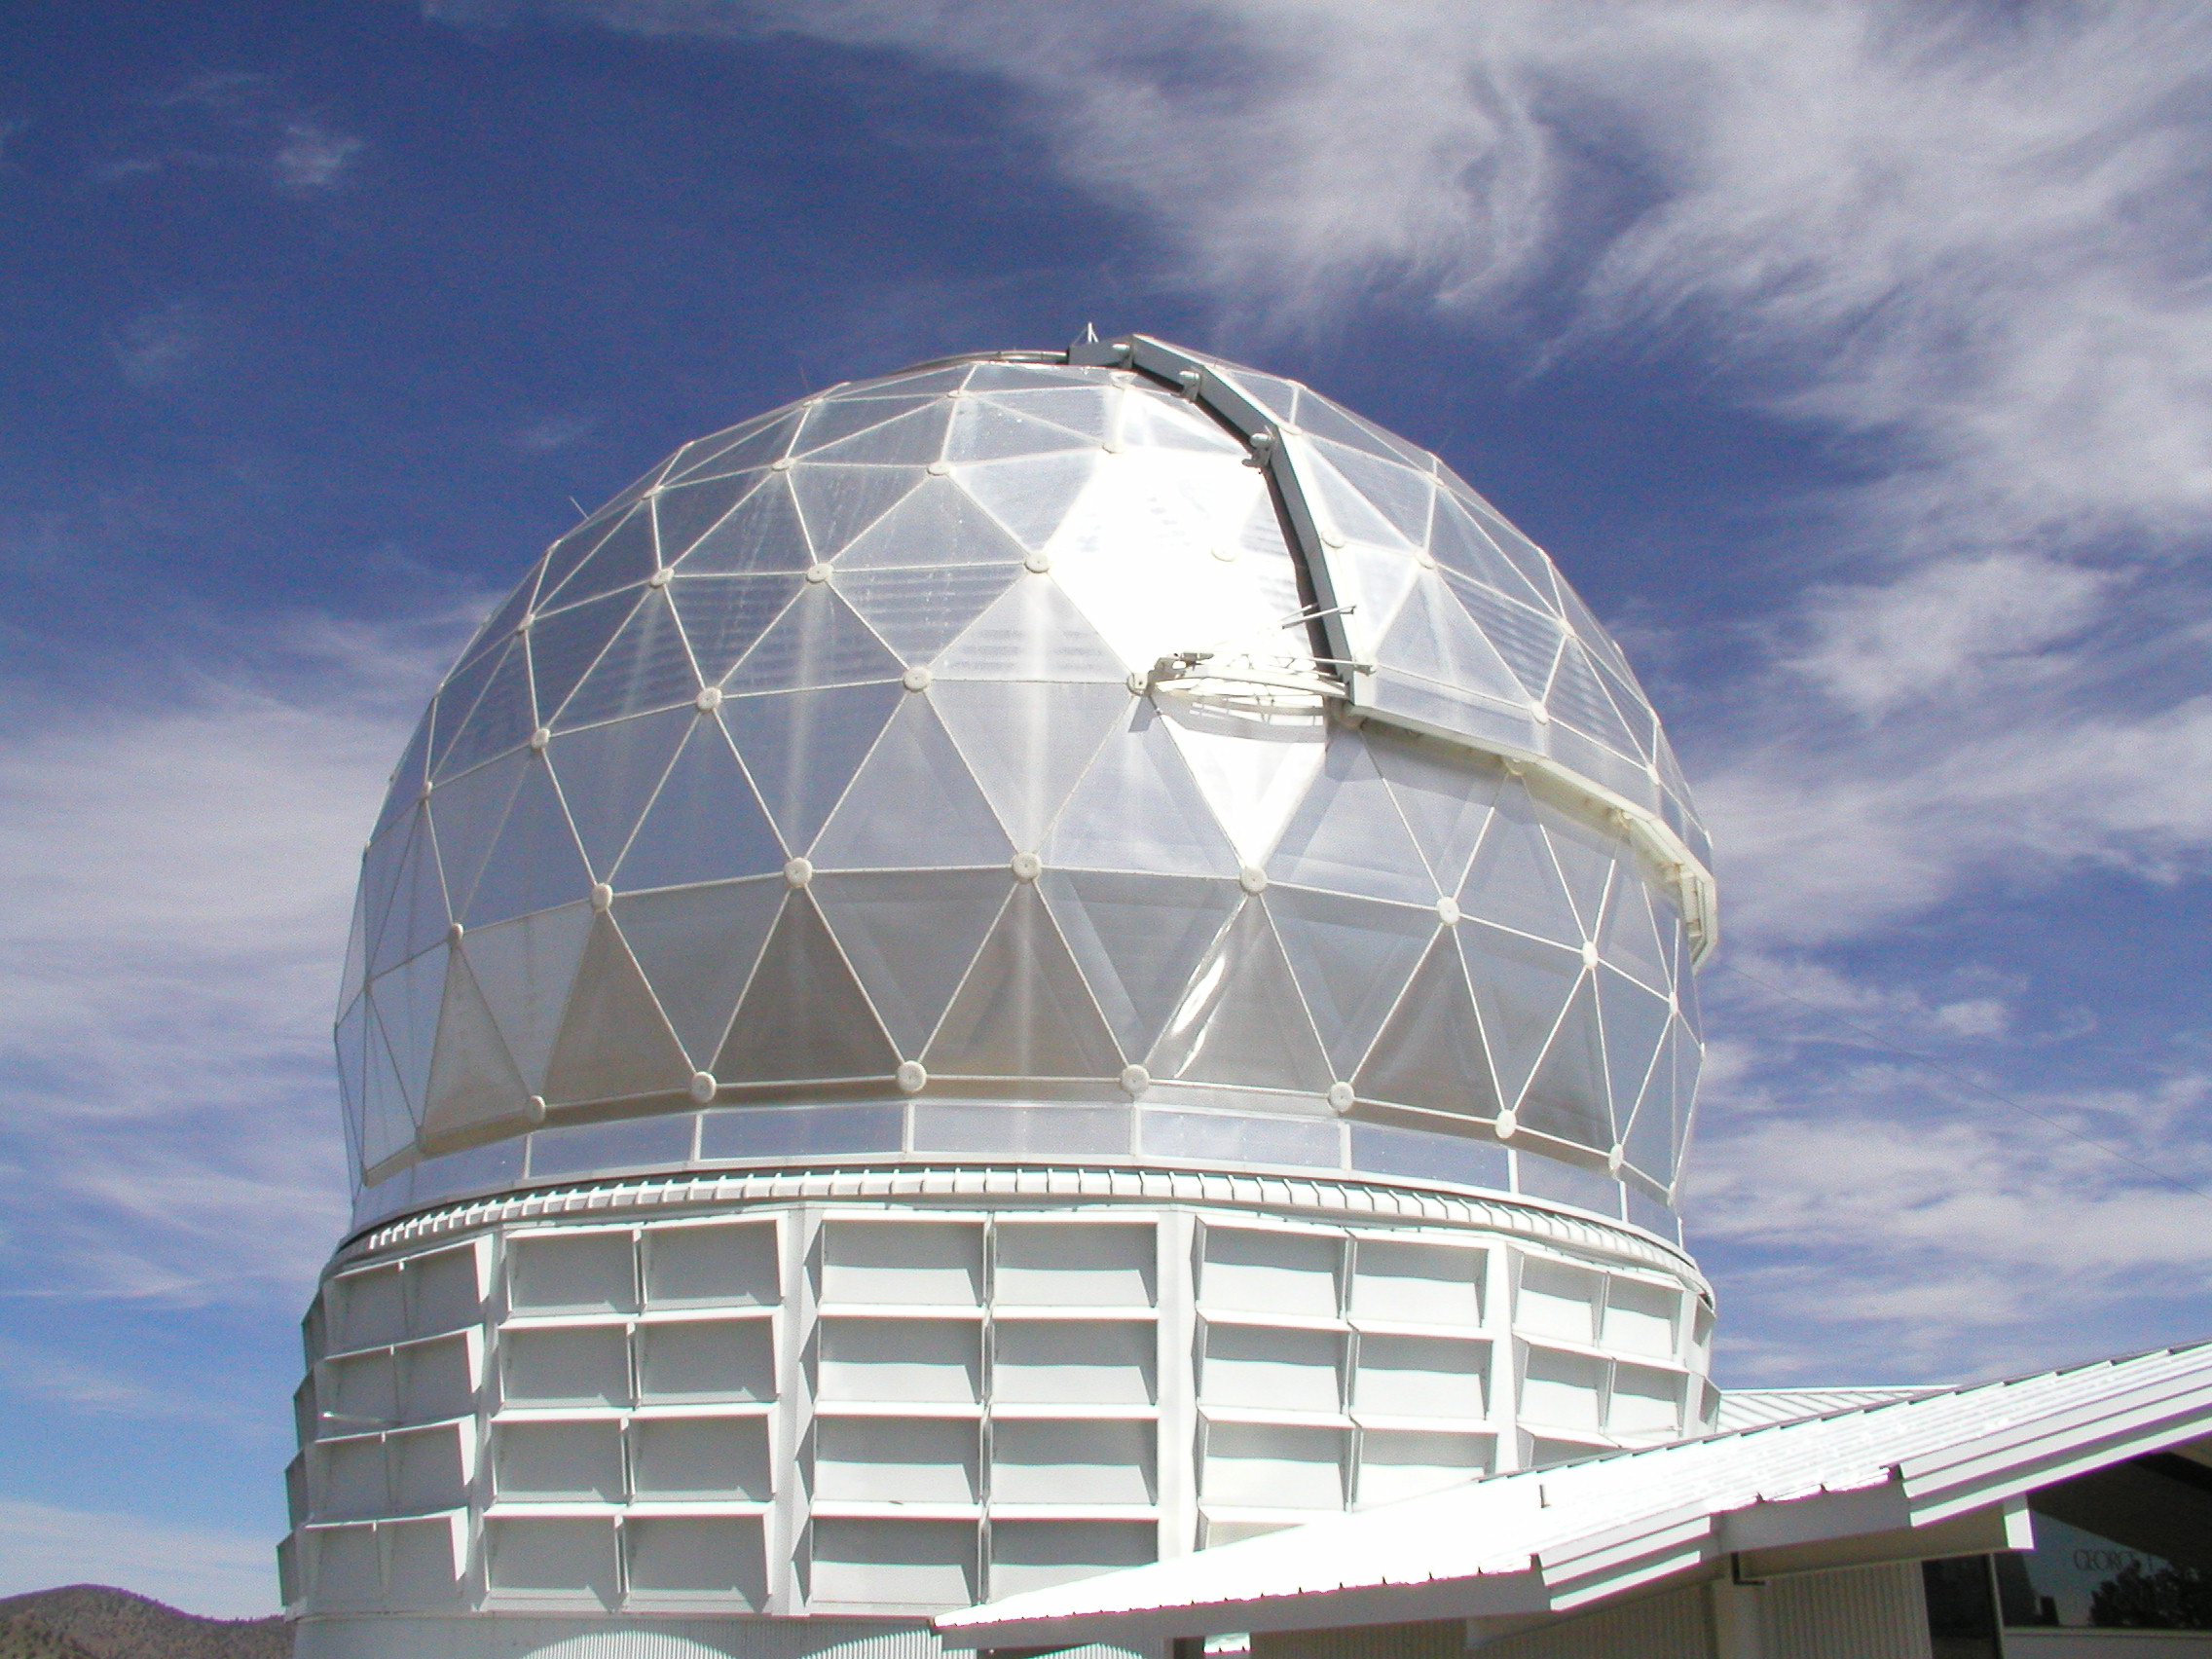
x,y
696,947
1138,939
804,1015
910,935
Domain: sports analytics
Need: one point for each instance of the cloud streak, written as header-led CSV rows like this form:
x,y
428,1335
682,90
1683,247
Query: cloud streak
x,y
215,1574
164,1041
1963,244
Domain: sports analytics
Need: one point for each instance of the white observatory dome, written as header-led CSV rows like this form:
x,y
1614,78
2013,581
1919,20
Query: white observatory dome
x,y
1013,969
1141,759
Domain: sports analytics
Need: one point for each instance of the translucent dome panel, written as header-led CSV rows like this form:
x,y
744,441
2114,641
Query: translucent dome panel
x,y
825,764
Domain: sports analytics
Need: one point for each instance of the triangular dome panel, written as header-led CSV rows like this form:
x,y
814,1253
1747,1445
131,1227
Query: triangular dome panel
x,y
615,1044
910,935
1445,800
802,748
840,502
1430,1054
473,1081
748,444
1253,774
684,512
696,947
1027,742
413,911
535,863
918,611
564,644
1030,497
986,428
1577,697
567,554
912,804
626,558
501,718
1032,631
938,524
388,1123
607,773
763,534
1138,807
1629,940
1514,879
1347,835
1023,1010
1588,860
1528,641
1352,959
832,420
1435,638
805,1017
1244,1021
1568,1097
646,666
724,616
466,814
1521,988
705,824
407,1002
1635,1024
1137,939
818,640
523,970
913,439
1405,498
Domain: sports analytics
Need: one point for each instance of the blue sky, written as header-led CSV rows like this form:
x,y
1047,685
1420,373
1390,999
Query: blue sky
x,y
1849,357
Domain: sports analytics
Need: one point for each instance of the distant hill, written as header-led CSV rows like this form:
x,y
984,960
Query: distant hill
x,y
93,1621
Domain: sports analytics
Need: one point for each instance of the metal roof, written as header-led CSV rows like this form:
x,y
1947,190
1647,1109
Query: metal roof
x,y
1751,1407
1940,1474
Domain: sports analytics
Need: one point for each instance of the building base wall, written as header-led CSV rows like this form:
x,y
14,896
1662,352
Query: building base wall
x,y
510,1637
878,1395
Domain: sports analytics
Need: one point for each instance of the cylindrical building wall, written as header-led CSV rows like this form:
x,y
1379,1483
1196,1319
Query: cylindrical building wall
x,y
866,1396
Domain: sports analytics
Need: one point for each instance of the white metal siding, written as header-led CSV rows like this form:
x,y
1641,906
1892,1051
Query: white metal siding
x,y
1671,1626
1867,1613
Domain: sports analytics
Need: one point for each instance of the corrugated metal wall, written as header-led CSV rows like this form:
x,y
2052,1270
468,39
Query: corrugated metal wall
x,y
513,1638
1673,1626
1439,1639
1868,1612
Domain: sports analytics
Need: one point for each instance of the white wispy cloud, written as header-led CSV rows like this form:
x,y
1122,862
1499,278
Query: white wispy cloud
x,y
1872,1218
1965,242
184,863
213,1574
238,122
311,157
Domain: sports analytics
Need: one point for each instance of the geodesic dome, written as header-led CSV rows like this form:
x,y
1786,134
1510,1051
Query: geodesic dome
x,y
1011,756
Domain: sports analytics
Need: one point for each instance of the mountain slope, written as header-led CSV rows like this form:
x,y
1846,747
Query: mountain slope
x,y
94,1621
